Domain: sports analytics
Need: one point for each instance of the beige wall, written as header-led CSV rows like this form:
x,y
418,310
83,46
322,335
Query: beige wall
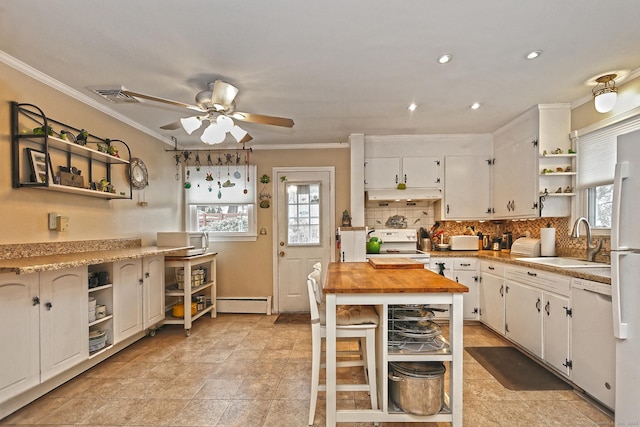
x,y
245,268
24,211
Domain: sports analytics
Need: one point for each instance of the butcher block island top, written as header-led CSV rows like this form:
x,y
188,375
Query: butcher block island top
x,y
362,277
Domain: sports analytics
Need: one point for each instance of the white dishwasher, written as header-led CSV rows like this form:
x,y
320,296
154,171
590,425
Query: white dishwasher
x,y
592,343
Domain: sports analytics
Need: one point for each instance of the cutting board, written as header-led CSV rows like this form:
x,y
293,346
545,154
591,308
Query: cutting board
x,y
395,263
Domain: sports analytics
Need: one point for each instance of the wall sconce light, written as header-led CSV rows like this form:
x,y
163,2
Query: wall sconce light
x,y
604,97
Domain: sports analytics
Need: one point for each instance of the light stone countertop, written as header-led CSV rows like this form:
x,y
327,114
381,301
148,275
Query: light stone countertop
x,y
34,264
602,275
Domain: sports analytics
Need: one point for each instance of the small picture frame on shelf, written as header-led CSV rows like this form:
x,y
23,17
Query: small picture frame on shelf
x,y
40,166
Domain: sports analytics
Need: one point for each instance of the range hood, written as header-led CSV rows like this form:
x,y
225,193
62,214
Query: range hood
x,y
418,195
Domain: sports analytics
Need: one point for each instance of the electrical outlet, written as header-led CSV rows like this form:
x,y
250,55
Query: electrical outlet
x,y
53,220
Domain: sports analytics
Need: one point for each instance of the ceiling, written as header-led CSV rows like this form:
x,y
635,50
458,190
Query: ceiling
x,y
334,67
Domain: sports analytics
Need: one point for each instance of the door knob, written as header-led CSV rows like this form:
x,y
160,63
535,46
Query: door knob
x,y
281,253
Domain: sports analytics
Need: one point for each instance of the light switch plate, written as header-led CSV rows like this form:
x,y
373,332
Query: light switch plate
x,y
53,220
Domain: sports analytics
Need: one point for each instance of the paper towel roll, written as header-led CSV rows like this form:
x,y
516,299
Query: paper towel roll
x,y
547,242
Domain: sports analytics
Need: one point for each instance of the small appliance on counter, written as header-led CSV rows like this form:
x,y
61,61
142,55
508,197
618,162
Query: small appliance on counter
x,y
506,242
196,241
463,243
526,246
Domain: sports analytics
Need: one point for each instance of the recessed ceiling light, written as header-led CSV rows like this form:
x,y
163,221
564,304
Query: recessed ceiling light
x,y
475,105
445,58
412,107
533,54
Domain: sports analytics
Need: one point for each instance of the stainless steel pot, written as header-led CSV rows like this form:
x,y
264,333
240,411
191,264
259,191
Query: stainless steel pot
x,y
417,387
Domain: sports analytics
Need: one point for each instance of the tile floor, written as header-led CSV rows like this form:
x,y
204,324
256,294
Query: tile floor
x,y
243,370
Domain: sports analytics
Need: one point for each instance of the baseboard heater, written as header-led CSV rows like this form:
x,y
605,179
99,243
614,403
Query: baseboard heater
x,y
244,305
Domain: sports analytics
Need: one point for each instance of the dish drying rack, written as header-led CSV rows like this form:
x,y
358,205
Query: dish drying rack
x,y
412,330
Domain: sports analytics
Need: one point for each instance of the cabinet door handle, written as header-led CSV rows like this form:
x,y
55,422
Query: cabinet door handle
x,y
491,268
546,308
49,306
396,178
538,303
447,208
147,274
141,281
465,264
502,290
532,274
405,178
36,300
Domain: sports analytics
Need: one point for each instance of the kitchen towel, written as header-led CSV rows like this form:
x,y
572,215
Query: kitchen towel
x,y
548,241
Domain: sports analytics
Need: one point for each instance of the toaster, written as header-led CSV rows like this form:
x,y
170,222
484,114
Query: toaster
x,y
464,243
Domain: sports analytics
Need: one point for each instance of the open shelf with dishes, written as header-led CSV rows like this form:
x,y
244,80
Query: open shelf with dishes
x,y
40,142
100,291
556,183
190,290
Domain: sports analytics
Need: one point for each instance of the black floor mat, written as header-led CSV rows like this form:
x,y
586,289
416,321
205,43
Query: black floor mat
x,y
515,370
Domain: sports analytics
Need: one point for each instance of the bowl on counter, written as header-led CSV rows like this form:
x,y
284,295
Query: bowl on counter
x,y
443,246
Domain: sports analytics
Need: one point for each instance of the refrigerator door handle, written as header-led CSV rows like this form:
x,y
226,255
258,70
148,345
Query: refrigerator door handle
x,y
619,327
621,173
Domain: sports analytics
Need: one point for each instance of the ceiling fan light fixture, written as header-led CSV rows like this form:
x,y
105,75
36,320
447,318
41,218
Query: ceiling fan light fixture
x,y
213,134
605,96
225,123
238,116
191,124
238,133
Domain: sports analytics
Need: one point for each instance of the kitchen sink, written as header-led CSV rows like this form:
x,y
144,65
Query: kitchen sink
x,y
564,262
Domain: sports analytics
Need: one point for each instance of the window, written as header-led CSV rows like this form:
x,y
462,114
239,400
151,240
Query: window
x,y
600,201
596,165
224,207
303,214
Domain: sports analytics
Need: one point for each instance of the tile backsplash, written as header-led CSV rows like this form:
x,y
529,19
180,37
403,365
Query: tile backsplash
x,y
424,217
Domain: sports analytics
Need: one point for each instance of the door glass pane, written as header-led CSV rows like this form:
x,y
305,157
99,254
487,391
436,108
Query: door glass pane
x,y
303,214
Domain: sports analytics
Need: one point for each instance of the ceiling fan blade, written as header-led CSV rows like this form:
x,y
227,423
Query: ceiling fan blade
x,y
223,93
163,100
265,120
171,126
246,138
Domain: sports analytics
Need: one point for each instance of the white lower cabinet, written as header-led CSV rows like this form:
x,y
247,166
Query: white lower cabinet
x,y
464,271
20,331
63,320
43,323
523,316
153,308
127,298
491,295
538,315
555,333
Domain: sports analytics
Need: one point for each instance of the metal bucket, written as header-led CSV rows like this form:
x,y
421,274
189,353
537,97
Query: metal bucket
x,y
417,387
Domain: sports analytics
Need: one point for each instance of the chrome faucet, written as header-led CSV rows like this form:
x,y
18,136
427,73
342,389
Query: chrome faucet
x,y
591,250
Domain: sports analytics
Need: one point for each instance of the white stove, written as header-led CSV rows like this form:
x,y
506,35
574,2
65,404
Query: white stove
x,y
398,243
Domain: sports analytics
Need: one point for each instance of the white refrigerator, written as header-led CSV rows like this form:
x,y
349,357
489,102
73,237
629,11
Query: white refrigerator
x,y
625,278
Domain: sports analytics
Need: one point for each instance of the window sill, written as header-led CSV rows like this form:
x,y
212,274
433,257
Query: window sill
x,y
245,238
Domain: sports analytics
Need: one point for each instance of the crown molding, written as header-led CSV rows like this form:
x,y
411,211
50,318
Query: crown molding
x,y
79,96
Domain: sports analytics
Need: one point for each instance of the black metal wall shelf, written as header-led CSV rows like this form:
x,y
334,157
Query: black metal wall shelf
x,y
45,143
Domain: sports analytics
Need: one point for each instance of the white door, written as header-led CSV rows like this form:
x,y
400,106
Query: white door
x,y
127,298
523,316
555,332
304,231
492,301
19,333
64,320
153,288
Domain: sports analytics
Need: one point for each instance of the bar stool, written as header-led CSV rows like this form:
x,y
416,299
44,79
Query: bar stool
x,y
352,322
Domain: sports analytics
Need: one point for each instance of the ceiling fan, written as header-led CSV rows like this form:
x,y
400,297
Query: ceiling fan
x,y
217,106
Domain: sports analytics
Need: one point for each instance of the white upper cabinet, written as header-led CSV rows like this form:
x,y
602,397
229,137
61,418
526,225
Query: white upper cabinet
x,y
415,172
517,147
467,188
